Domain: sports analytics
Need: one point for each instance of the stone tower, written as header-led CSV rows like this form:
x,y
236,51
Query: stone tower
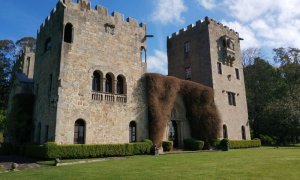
x,y
209,53
88,71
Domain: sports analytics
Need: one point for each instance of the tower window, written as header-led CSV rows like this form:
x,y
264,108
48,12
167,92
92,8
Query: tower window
x,y
48,45
219,66
79,132
237,73
50,83
109,83
188,73
186,48
97,81
68,35
231,98
120,85
28,66
132,131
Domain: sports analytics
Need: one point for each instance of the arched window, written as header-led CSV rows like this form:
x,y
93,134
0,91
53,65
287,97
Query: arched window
x,y
79,132
109,83
225,133
143,54
97,81
68,35
121,86
132,131
243,133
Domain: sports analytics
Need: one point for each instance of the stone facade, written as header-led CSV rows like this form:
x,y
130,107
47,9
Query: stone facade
x,y
100,44
209,53
88,77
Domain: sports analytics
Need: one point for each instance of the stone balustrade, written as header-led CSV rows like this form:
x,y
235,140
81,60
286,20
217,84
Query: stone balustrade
x,y
101,96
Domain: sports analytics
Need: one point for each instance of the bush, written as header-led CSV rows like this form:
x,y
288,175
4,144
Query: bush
x,y
224,144
267,140
167,145
51,150
193,145
8,149
140,148
215,143
237,144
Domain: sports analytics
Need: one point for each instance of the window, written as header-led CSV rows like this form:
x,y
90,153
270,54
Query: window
x,y
186,49
237,73
97,81
225,133
231,98
48,45
188,73
109,83
219,65
28,66
143,54
243,133
132,131
50,83
79,132
68,35
120,85
46,133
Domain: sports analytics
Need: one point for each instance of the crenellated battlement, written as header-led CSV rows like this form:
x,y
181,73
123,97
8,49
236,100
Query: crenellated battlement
x,y
48,18
200,24
85,5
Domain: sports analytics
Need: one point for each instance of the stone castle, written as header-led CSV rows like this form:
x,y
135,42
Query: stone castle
x,y
87,77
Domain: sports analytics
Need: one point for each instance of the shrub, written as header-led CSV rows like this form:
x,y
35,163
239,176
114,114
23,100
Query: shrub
x,y
215,143
224,144
267,140
167,145
8,149
140,148
51,150
237,144
192,144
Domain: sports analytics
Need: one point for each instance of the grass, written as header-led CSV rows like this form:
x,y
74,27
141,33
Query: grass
x,y
258,163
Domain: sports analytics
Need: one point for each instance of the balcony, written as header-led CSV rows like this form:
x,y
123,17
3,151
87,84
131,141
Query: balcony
x,y
101,96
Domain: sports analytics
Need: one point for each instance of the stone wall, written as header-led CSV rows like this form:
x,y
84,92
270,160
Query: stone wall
x,y
107,44
205,39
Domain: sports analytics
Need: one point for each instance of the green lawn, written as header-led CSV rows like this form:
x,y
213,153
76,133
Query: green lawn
x,y
260,163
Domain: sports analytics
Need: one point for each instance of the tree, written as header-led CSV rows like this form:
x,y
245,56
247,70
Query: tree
x,y
249,55
289,60
9,50
263,85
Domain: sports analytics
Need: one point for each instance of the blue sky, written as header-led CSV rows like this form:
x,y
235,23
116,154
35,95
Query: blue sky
x,y
263,24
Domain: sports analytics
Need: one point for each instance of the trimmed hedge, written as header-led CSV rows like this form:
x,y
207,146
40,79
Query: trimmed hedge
x,y
167,145
192,144
51,150
237,144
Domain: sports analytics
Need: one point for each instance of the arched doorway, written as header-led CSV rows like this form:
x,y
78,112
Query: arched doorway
x,y
79,132
173,133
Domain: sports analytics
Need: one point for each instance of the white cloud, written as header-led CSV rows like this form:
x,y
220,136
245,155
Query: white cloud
x,y
158,63
244,32
169,11
207,4
262,23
